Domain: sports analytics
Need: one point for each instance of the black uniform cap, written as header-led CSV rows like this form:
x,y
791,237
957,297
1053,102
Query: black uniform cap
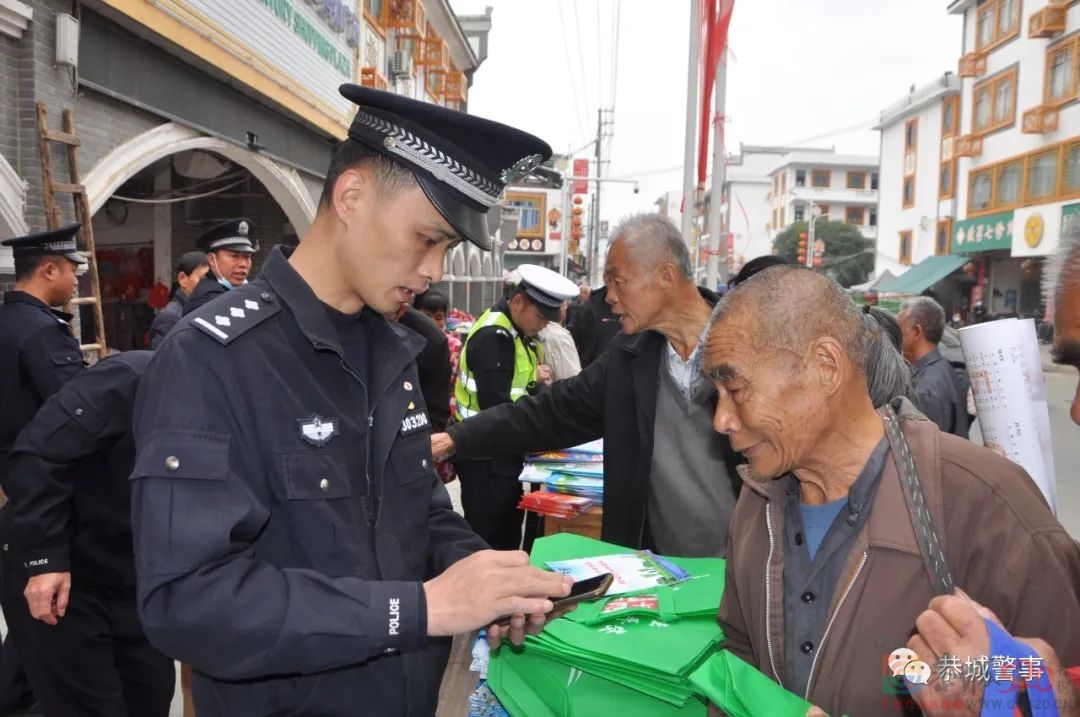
x,y
52,242
234,235
463,163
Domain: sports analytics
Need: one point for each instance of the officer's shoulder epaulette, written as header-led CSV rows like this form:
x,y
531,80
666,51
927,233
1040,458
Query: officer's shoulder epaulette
x,y
234,314
500,331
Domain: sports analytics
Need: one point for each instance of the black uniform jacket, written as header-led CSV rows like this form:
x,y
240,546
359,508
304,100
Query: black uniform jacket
x,y
208,289
614,399
593,325
433,363
286,511
37,355
69,486
167,318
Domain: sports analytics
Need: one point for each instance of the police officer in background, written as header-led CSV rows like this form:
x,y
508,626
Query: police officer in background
x,y
228,248
293,543
502,362
70,495
38,354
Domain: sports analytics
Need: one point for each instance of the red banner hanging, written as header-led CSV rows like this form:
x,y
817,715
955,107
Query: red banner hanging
x,y
716,19
581,169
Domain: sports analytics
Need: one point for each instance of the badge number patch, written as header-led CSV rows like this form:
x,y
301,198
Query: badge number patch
x,y
414,422
317,430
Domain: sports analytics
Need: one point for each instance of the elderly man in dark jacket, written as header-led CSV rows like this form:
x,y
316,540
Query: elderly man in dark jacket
x,y
670,483
938,392
852,519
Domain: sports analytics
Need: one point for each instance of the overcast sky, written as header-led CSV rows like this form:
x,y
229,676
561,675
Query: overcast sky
x,y
801,70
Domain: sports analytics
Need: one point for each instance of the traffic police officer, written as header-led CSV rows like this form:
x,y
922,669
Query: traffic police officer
x,y
501,363
228,248
38,353
71,503
293,543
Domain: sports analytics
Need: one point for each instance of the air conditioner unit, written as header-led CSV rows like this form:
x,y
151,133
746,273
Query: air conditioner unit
x,y
401,63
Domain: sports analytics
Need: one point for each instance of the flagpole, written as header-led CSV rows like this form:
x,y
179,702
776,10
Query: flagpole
x,y
692,102
715,271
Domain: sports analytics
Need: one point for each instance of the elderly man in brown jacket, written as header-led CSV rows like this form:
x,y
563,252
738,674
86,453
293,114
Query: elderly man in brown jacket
x,y
828,566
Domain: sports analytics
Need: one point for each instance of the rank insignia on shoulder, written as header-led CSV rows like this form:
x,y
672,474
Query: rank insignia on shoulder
x,y
414,422
228,322
317,430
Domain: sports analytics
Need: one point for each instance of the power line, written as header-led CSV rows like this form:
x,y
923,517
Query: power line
x,y
570,69
581,59
866,124
599,67
615,54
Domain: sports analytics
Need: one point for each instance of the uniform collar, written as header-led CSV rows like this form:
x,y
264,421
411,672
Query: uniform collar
x,y
314,322
21,297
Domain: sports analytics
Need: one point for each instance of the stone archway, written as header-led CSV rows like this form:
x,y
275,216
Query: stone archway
x,y
12,211
124,161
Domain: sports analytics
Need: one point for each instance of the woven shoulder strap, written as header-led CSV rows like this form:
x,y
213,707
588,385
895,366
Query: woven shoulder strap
x,y
933,554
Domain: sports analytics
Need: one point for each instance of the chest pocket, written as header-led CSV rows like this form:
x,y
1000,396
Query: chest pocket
x,y
66,357
322,521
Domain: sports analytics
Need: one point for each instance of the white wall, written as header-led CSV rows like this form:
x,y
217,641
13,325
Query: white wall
x,y
920,219
749,218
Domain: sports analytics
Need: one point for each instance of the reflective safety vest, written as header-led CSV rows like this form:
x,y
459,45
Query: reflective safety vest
x,y
526,361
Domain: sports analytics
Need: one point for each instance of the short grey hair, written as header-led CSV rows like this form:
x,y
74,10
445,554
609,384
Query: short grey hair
x,y
1062,270
653,239
793,306
888,375
927,313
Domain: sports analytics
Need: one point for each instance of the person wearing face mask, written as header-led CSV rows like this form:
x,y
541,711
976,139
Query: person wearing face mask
x,y
228,248
190,270
293,543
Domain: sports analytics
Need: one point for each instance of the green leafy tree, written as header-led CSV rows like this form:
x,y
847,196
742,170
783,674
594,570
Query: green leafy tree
x,y
848,258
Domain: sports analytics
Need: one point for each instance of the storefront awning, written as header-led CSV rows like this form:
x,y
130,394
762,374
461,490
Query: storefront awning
x,y
923,275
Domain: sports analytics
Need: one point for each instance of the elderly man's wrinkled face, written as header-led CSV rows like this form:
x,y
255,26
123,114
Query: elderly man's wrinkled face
x,y
1067,336
635,294
767,402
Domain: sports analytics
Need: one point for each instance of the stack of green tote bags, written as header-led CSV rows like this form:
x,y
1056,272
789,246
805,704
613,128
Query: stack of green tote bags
x,y
651,654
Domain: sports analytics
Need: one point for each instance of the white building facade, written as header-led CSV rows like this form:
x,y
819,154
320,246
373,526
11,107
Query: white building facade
x,y
842,188
1018,147
748,195
917,197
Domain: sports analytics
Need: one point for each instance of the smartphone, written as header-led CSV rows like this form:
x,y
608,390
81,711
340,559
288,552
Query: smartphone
x,y
587,589
582,590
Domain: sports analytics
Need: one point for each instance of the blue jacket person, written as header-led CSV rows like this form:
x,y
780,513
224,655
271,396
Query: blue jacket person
x,y
293,542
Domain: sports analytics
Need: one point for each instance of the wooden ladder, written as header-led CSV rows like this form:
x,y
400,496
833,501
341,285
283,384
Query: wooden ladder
x,y
74,187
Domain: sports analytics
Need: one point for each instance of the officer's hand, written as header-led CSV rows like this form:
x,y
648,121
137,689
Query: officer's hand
x,y
442,446
544,374
478,590
47,595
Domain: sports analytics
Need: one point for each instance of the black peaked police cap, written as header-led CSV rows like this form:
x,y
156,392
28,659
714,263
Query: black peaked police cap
x,y
462,162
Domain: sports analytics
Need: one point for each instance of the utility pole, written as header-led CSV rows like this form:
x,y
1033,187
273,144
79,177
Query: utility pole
x,y
693,100
604,123
714,270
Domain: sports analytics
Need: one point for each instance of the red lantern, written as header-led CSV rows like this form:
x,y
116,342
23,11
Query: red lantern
x,y
578,200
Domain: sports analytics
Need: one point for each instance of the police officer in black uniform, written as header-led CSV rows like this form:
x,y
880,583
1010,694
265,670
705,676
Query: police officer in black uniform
x,y
71,503
38,354
293,543
229,250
